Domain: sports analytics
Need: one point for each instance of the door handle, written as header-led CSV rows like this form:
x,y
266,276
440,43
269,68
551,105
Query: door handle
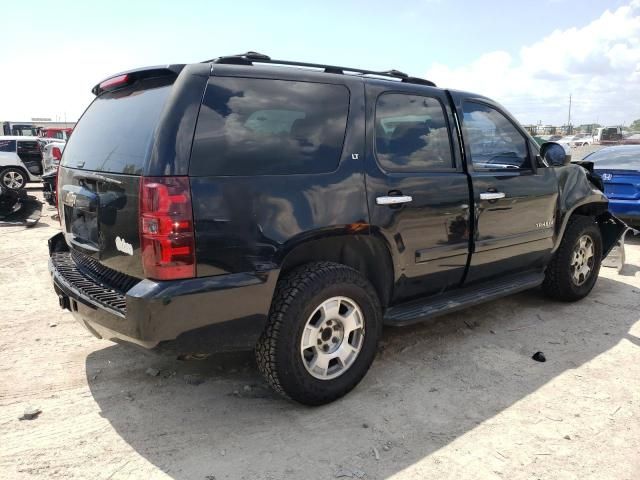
x,y
394,200
492,195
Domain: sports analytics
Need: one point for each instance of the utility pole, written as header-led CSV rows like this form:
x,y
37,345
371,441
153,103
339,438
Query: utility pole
x,y
569,119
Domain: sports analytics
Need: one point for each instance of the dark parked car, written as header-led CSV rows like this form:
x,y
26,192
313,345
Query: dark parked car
x,y
238,203
619,168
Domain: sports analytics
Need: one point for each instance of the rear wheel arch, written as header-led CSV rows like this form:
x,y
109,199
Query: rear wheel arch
x,y
367,254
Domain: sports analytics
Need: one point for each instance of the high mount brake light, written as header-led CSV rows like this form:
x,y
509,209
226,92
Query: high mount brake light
x,y
115,82
166,228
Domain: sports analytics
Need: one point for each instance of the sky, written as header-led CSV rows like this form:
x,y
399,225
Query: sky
x,y
529,56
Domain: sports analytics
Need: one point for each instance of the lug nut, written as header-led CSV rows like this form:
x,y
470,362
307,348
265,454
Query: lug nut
x,y
334,340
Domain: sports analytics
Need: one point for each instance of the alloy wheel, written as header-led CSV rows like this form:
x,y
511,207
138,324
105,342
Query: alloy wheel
x,y
332,338
13,180
582,260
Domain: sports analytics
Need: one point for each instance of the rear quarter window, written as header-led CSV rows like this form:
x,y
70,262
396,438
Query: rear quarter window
x,y
269,127
7,146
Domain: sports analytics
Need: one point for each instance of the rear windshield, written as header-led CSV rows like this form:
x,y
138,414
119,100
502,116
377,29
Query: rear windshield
x,y
115,133
622,158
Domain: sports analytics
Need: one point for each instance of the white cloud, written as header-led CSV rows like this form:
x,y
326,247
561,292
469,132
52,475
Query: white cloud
x,y
599,64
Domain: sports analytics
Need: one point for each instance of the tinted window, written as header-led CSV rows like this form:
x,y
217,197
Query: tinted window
x,y
494,141
269,127
623,158
7,145
115,133
411,133
29,150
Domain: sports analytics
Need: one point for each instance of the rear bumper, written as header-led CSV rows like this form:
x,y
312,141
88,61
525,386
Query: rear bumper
x,y
626,210
199,315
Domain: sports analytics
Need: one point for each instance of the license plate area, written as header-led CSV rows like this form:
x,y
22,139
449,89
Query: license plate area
x,y
81,213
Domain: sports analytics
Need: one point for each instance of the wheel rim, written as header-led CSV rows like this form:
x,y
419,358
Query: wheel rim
x,y
13,179
582,260
332,338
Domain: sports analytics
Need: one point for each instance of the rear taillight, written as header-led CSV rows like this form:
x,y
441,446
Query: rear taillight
x,y
57,191
57,154
166,228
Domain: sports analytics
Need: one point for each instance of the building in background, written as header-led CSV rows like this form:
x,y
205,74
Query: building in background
x,y
35,127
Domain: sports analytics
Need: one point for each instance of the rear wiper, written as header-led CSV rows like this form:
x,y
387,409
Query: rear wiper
x,y
97,176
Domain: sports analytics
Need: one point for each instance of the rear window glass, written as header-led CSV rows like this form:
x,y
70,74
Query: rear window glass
x,y
411,134
7,145
115,133
616,157
28,148
269,127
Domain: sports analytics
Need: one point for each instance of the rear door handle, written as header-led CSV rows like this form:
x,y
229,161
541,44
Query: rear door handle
x,y
492,195
394,200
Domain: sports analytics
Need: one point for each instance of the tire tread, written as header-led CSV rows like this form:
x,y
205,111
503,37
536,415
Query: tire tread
x,y
557,283
300,280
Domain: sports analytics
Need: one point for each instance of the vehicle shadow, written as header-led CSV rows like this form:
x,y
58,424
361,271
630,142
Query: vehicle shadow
x,y
429,385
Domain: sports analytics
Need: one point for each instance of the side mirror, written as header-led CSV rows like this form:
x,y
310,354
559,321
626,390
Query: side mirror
x,y
554,154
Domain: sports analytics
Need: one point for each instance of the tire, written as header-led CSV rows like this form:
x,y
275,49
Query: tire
x,y
13,178
296,315
564,280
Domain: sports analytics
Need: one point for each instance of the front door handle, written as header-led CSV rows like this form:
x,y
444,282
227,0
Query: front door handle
x,y
492,195
394,200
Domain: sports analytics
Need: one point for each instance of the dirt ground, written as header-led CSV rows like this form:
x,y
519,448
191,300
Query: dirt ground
x,y
578,153
457,398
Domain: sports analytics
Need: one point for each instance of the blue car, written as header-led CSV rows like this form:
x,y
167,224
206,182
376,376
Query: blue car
x,y
619,168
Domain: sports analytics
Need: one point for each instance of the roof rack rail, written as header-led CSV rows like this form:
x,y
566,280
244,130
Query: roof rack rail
x,y
250,58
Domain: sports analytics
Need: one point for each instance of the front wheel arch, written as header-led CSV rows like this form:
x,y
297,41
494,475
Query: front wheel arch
x,y
559,281
595,206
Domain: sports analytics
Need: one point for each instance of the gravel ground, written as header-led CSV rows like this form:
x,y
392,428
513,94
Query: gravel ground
x,y
456,398
578,153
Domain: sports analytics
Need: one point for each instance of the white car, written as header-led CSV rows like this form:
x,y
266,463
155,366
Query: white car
x,y
51,155
20,161
565,142
582,140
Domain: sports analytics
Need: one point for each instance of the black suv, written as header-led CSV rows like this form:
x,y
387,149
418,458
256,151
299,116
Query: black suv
x,y
297,208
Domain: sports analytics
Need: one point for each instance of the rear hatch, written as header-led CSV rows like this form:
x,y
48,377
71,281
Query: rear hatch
x,y
620,184
101,173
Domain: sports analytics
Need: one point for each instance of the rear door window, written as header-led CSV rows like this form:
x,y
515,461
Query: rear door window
x,y
411,134
7,146
116,132
29,149
252,126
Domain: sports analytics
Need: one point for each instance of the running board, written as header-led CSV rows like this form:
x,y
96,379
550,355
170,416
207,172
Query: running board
x,y
425,309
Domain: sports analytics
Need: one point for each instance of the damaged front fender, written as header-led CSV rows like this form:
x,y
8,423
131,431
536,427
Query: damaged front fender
x,y
581,193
